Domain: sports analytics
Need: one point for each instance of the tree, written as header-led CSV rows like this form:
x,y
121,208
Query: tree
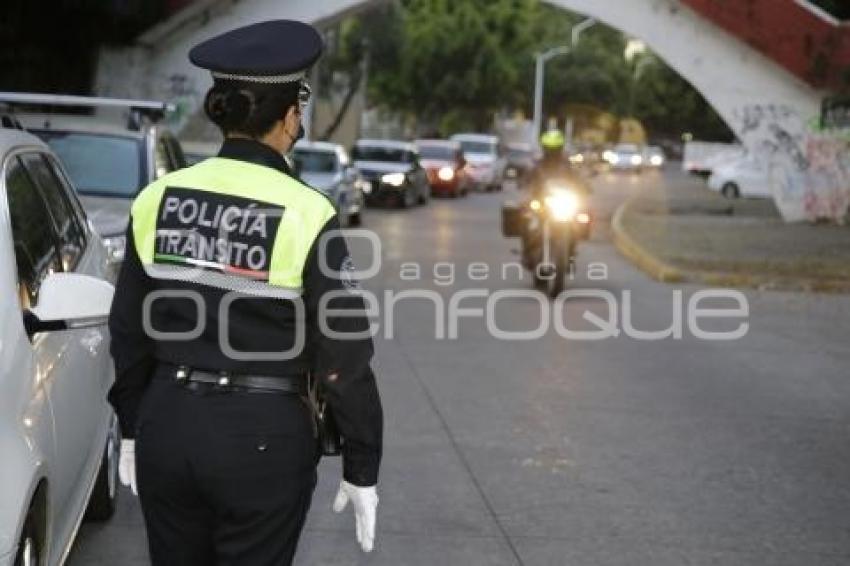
x,y
457,63
452,64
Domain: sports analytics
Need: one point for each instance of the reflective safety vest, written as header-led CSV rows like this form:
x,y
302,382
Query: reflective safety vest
x,y
229,224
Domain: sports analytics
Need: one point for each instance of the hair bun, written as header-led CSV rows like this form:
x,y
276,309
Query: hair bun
x,y
229,108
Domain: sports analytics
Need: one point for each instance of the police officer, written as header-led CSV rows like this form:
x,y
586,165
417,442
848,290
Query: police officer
x,y
234,289
554,168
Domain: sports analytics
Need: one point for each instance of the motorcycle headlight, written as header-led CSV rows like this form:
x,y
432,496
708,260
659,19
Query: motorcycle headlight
x,y
393,179
116,247
446,173
562,204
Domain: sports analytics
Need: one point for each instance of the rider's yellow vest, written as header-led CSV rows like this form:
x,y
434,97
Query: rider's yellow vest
x,y
229,224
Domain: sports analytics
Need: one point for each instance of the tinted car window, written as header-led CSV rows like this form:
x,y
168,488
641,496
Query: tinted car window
x,y
315,161
384,154
67,225
99,165
478,147
446,153
34,241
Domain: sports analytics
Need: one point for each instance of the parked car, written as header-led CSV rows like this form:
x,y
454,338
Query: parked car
x,y
624,157
109,156
445,165
700,158
653,156
742,177
393,170
327,167
58,435
486,160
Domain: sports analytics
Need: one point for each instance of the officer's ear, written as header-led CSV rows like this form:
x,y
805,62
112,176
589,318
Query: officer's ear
x,y
293,115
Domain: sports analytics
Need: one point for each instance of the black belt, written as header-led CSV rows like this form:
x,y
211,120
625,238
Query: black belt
x,y
294,384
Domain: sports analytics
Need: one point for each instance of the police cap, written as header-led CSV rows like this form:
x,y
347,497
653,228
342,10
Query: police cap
x,y
275,51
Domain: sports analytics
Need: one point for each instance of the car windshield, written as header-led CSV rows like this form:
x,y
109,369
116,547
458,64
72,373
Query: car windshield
x,y
384,154
443,152
316,161
478,147
100,165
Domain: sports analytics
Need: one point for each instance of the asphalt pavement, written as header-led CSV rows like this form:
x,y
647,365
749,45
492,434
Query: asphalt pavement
x,y
567,451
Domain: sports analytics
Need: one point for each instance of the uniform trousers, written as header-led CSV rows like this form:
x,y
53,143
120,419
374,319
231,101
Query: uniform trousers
x,y
225,477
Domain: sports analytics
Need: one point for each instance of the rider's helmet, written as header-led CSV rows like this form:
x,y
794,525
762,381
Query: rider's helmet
x,y
552,143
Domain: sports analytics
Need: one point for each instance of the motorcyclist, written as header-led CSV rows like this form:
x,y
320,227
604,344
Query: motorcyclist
x,y
553,166
553,169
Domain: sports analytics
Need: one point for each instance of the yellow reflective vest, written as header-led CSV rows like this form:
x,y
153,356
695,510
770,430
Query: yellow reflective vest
x,y
229,224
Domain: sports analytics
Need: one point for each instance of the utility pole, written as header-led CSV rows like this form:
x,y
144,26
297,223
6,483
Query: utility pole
x,y
540,60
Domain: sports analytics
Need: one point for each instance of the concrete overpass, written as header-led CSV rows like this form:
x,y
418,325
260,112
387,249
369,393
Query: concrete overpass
x,y
767,87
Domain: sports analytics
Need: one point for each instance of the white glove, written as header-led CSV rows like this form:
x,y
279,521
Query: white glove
x,y
127,465
365,502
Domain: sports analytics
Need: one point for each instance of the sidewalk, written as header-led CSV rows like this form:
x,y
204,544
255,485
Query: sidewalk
x,y
685,232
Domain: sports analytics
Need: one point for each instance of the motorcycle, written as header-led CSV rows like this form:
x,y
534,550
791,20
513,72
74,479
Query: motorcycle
x,y
551,228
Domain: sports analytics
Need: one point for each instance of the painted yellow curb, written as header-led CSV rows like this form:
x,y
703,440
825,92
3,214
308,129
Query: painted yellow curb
x,y
640,256
665,272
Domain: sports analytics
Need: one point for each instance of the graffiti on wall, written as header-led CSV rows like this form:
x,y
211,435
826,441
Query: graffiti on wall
x,y
809,169
180,90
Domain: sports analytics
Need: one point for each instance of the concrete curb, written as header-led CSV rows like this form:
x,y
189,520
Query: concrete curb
x,y
640,256
666,272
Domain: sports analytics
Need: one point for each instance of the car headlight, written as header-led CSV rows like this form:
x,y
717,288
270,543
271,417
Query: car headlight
x,y
393,179
563,204
656,160
446,173
116,248
637,160
610,157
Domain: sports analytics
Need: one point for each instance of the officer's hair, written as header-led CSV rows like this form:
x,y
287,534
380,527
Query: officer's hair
x,y
251,109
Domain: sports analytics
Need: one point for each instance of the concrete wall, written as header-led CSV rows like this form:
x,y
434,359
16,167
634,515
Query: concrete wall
x,y
158,67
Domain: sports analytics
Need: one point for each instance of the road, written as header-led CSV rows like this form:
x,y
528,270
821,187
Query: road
x,y
574,452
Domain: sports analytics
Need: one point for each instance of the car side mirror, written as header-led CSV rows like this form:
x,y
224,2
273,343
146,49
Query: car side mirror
x,y
67,301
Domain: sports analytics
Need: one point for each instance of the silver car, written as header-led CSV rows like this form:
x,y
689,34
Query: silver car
x,y
327,167
58,435
109,156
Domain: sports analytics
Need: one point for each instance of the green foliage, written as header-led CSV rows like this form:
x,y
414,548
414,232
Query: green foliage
x,y
451,64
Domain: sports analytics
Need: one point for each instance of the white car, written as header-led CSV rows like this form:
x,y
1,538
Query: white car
x,y
742,177
59,437
653,156
327,167
624,157
486,160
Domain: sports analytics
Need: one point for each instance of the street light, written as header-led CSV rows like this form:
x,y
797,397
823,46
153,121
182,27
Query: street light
x,y
540,60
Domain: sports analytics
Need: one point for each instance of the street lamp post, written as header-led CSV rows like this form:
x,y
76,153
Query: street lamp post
x,y
540,60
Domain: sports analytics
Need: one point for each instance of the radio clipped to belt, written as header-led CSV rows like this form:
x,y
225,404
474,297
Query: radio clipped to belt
x,y
330,443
